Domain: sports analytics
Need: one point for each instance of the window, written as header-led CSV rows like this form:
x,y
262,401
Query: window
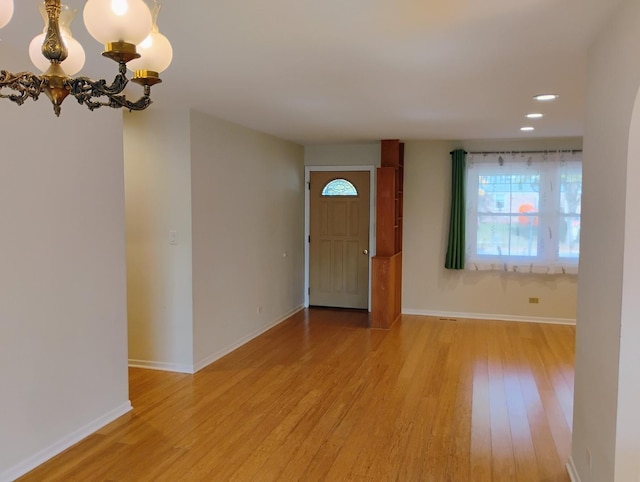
x,y
339,187
523,212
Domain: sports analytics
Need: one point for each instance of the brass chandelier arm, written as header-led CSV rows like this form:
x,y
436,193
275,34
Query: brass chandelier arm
x,y
85,89
25,84
94,94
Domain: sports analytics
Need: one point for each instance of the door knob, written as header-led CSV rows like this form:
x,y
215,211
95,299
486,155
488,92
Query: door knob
x,y
366,251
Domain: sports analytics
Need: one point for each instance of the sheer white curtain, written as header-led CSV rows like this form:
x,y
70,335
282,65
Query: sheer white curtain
x,y
523,212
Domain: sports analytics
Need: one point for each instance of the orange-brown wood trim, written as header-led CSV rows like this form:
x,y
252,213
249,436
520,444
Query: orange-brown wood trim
x,y
386,289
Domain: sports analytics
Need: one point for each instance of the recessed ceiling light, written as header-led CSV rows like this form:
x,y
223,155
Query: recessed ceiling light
x,y
546,97
535,115
527,129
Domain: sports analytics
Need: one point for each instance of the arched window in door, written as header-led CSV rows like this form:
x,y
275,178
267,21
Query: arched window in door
x,y
339,187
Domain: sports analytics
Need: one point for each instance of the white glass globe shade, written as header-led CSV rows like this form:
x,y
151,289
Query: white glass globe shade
x,y
6,12
156,54
35,53
117,20
75,60
71,65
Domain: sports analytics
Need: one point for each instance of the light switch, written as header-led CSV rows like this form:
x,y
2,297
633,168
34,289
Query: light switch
x,y
173,237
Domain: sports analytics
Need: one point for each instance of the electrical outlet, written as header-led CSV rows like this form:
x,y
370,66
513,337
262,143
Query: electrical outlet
x,y
588,454
259,310
534,300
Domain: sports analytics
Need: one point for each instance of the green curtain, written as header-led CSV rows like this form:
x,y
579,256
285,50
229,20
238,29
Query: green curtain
x,y
455,247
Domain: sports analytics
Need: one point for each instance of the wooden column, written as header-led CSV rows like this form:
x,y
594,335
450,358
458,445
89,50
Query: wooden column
x,y
386,279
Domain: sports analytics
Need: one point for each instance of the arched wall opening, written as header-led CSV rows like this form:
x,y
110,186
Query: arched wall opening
x,y
627,463
606,439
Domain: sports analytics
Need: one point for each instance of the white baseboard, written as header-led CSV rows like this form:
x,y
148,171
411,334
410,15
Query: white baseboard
x,y
245,339
162,366
573,472
63,444
482,316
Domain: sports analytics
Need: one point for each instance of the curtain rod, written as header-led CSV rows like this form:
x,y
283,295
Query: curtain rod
x,y
548,151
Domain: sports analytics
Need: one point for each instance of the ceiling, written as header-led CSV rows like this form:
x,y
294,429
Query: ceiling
x,y
358,70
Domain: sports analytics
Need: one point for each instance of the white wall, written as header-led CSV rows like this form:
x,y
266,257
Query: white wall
x,y
248,226
428,288
63,339
235,199
362,154
159,274
628,423
607,395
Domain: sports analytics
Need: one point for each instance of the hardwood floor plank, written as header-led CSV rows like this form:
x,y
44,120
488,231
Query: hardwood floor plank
x,y
503,466
523,448
481,448
459,460
547,456
321,397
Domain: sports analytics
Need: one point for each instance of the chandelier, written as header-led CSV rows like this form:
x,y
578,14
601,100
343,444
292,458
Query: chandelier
x,y
128,30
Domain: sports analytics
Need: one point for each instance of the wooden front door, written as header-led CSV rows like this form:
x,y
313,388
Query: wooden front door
x,y
339,241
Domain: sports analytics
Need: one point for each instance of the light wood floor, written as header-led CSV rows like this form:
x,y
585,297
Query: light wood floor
x,y
321,397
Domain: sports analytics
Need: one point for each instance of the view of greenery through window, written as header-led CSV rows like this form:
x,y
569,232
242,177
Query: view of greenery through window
x,y
571,193
508,215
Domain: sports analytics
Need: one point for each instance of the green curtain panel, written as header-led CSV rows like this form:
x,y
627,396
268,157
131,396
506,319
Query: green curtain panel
x,y
455,248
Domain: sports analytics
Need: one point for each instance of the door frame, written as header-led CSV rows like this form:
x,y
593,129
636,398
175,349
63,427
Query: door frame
x,y
307,206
